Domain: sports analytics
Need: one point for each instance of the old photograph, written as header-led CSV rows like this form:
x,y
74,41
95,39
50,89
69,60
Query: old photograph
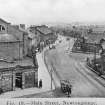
x,y
52,49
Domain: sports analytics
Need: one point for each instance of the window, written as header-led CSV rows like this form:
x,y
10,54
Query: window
x,y
2,28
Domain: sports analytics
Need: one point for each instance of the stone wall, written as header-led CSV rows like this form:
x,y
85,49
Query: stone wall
x,y
8,77
11,50
6,81
18,34
29,79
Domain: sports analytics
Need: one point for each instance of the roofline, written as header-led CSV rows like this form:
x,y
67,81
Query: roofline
x,y
36,27
4,21
43,32
12,26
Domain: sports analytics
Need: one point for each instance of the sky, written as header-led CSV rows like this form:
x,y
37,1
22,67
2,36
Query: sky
x,y
52,11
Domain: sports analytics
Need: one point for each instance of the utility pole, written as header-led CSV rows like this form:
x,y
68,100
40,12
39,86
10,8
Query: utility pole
x,y
51,78
95,56
19,50
95,53
102,62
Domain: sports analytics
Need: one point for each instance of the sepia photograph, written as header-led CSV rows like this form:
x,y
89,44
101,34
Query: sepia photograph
x,y
52,49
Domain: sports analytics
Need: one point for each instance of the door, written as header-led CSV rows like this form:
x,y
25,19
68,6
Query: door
x,y
18,80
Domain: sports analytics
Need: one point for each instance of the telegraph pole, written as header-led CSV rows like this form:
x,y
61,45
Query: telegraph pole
x,y
95,53
51,78
95,57
19,50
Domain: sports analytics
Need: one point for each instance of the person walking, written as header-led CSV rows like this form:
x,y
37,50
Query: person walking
x,y
40,83
1,90
68,90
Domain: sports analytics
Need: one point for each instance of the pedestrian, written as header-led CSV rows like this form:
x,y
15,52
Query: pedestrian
x,y
68,90
40,83
1,90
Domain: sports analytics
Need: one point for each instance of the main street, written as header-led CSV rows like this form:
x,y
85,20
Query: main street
x,y
71,66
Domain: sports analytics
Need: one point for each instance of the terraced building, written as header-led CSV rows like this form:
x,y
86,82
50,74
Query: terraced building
x,y
16,69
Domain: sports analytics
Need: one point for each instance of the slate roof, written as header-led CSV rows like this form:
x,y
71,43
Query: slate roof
x,y
44,29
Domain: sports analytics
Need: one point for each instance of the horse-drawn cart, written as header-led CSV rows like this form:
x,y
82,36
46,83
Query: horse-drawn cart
x,y
66,86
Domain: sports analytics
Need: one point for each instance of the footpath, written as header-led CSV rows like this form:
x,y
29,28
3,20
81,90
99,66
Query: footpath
x,y
42,74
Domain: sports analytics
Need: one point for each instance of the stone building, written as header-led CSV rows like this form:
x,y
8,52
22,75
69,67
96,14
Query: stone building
x,y
86,46
12,39
16,69
44,33
21,74
33,42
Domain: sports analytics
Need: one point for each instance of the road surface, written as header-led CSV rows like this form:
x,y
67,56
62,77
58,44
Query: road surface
x,y
72,67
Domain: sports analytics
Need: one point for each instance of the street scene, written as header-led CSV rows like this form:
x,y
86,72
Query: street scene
x,y
85,83
52,49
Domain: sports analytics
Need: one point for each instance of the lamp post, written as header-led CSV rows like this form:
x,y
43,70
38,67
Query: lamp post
x,y
95,52
95,56
102,61
1,77
51,71
51,78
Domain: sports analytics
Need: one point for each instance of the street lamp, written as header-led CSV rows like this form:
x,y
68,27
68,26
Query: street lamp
x,y
51,73
51,77
95,56
95,52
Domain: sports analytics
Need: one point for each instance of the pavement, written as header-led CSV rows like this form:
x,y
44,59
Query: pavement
x,y
42,74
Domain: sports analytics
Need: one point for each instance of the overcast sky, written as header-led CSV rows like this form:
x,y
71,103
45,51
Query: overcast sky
x,y
40,11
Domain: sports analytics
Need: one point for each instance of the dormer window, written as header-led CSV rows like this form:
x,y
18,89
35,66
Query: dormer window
x,y
2,28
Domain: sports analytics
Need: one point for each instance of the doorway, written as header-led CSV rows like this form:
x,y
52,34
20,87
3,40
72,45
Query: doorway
x,y
18,80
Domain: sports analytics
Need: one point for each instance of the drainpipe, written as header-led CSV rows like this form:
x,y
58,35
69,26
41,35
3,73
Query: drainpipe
x,y
19,50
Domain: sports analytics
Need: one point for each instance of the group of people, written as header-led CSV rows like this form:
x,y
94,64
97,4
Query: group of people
x,y
68,90
66,87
